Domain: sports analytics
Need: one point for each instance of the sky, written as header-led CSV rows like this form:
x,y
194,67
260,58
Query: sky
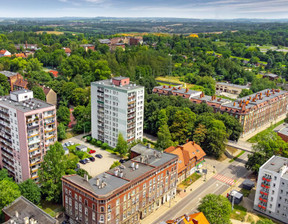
x,y
202,9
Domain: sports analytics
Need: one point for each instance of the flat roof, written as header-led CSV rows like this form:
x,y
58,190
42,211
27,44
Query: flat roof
x,y
284,131
119,78
26,208
271,75
184,91
8,73
232,85
108,83
275,163
24,106
209,99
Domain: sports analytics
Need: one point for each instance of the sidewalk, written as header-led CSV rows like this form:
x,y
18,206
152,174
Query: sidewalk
x,y
164,208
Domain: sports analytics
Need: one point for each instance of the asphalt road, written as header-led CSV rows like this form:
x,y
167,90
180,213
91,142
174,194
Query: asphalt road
x,y
189,204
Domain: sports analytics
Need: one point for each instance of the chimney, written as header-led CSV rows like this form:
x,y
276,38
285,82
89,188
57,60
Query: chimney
x,y
179,87
16,214
86,177
164,86
240,104
97,182
169,87
234,103
247,102
195,221
193,143
137,166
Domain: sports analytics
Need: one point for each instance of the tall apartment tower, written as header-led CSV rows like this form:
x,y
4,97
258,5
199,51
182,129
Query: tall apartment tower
x,y
27,129
272,189
117,106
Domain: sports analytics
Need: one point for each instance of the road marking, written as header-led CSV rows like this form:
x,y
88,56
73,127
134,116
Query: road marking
x,y
224,179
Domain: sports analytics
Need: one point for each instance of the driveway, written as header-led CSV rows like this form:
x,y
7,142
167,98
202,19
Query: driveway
x,y
99,165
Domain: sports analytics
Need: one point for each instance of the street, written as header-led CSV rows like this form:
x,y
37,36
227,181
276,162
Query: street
x,y
189,204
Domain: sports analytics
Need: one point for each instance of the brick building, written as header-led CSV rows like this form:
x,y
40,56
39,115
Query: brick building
x,y
176,91
124,194
190,158
15,80
258,109
229,88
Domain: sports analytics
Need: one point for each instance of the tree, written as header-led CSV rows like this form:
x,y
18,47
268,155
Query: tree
x,y
264,221
216,208
245,92
164,137
115,164
268,144
63,115
9,191
4,84
286,119
30,190
61,132
122,145
200,134
51,171
38,93
80,96
34,65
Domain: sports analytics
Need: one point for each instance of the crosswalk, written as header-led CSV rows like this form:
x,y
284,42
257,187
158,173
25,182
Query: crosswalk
x,y
224,179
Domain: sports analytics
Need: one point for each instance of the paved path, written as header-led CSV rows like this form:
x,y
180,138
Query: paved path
x,y
189,203
242,145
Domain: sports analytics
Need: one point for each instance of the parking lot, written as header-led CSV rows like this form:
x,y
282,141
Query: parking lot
x,y
99,165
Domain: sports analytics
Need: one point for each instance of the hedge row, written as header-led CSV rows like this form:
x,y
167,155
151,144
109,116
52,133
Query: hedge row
x,y
98,143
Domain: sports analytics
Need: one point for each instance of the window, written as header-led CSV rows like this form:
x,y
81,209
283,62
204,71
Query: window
x,y
109,217
102,209
66,200
101,218
144,186
85,202
86,211
117,202
80,199
80,208
76,205
124,198
109,208
117,211
93,216
76,197
93,206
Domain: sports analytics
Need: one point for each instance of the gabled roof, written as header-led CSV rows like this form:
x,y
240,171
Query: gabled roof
x,y
185,153
54,73
3,51
21,83
200,217
67,50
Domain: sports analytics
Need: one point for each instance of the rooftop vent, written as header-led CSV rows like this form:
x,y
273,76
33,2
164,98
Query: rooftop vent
x,y
137,166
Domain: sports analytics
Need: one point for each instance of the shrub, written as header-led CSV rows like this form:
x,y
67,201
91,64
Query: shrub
x,y
145,140
88,138
80,154
93,141
105,145
99,143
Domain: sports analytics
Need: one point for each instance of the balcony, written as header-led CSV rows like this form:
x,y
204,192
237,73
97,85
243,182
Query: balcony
x,y
33,135
34,141
4,149
31,120
36,125
131,102
49,122
47,130
47,137
33,155
9,168
49,116
35,162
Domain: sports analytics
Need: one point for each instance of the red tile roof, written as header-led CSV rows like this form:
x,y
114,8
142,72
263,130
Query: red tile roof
x,y
22,83
54,73
67,50
3,51
186,153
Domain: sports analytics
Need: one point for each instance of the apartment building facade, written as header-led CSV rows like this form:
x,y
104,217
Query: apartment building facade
x,y
27,129
117,106
229,88
125,194
272,189
258,109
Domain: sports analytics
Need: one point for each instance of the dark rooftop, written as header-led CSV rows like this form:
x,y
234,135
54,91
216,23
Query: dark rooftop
x,y
26,208
232,85
105,183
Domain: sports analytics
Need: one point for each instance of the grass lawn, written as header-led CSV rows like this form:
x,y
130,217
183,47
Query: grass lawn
x,y
73,148
245,192
163,84
255,138
50,32
50,207
174,79
190,180
241,153
238,213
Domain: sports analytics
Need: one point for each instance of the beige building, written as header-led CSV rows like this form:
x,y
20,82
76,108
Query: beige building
x,y
229,88
51,96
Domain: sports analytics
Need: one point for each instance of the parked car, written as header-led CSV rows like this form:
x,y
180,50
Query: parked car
x,y
122,160
71,143
78,166
92,151
92,159
99,156
83,161
87,160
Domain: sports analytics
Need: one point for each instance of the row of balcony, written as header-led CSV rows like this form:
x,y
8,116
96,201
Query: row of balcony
x,y
8,156
265,185
7,162
9,168
262,207
9,151
5,118
266,179
6,143
35,161
4,123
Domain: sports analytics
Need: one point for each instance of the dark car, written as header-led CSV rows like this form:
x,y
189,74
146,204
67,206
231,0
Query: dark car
x,y
86,160
83,161
92,159
99,156
122,160
77,165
